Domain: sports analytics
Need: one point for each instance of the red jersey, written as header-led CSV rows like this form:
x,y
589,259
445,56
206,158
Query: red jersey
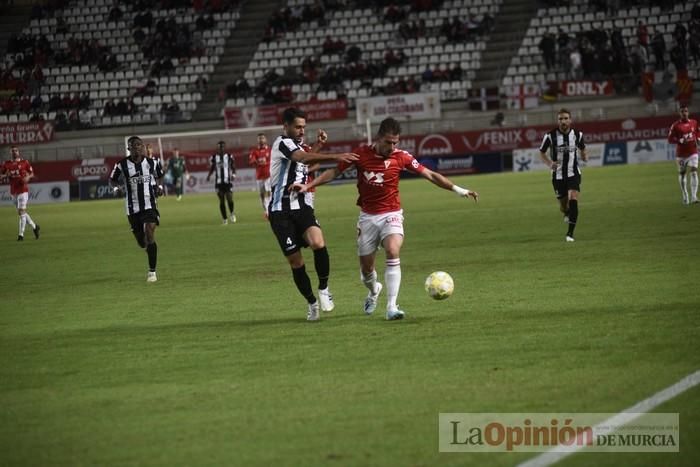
x,y
260,159
687,130
16,171
378,178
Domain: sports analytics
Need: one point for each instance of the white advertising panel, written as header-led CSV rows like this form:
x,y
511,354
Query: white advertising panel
x,y
404,106
40,193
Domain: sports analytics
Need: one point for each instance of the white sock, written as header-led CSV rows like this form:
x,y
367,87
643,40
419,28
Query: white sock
x,y
392,277
694,185
369,280
681,180
22,224
29,220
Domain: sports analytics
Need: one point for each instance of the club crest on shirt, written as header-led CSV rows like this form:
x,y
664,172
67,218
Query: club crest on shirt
x,y
387,163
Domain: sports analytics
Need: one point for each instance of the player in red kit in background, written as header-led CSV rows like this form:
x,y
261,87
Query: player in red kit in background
x,y
19,171
684,133
259,158
381,217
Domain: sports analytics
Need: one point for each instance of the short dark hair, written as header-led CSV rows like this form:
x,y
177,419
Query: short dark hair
x,y
291,113
389,126
131,140
682,106
564,111
261,134
221,142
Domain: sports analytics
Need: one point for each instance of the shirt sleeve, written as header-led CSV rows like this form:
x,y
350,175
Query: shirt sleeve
x,y
159,169
288,146
411,164
116,173
546,142
672,138
581,143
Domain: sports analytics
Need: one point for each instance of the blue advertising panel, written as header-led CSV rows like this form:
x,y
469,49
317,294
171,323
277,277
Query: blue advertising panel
x,y
615,153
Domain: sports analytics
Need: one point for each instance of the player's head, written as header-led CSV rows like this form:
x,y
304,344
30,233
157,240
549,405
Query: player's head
x,y
262,140
176,152
294,121
14,152
684,112
136,147
221,145
387,137
564,120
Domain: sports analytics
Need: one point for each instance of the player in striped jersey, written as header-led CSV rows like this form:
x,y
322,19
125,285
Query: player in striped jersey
x,y
140,178
291,214
560,151
222,165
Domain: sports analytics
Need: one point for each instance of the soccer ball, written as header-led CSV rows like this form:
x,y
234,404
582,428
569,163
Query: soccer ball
x,y
439,285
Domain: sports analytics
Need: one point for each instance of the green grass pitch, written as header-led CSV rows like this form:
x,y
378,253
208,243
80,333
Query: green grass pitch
x,y
215,364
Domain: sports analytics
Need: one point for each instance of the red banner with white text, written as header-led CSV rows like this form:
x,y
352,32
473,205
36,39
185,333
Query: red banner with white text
x,y
26,133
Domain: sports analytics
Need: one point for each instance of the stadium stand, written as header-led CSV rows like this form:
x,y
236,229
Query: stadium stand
x,y
358,52
152,64
561,35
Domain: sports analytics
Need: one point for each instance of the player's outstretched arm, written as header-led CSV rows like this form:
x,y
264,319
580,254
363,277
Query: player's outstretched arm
x,y
445,183
322,179
311,157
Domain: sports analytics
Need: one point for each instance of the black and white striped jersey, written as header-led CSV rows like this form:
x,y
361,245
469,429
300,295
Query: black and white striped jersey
x,y
564,149
284,172
224,167
139,181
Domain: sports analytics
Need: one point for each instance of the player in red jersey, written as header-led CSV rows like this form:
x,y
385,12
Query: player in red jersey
x,y
259,158
684,133
381,217
19,171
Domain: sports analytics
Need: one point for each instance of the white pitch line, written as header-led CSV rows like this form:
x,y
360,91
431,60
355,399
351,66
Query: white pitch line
x,y
551,457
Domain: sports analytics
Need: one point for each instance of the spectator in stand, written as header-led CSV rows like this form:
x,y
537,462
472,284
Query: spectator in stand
x,y
456,72
37,103
658,46
563,49
115,14
642,34
679,57
575,67
85,100
394,14
110,109
680,34
547,46
25,104
353,54
694,45
131,108
121,108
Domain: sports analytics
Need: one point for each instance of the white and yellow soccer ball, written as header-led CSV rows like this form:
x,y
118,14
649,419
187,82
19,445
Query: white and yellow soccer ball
x,y
439,285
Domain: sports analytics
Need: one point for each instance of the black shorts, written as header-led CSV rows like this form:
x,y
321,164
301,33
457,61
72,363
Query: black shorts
x,y
289,228
562,187
149,216
224,187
